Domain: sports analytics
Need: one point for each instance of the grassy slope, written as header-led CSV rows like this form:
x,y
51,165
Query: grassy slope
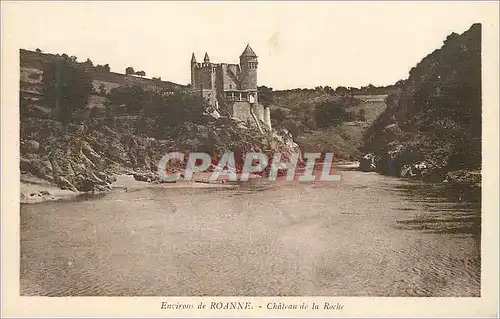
x,y
345,139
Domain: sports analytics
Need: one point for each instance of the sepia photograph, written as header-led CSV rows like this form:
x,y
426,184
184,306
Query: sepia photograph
x,y
249,149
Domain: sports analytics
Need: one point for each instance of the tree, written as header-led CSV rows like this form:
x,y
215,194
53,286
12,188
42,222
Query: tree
x,y
38,50
327,113
265,95
174,110
102,68
293,126
279,114
400,83
179,108
88,63
341,90
328,90
350,116
102,89
134,98
66,88
140,73
165,112
129,70
361,115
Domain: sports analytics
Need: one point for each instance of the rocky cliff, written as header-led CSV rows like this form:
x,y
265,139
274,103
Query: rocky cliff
x,y
86,157
432,127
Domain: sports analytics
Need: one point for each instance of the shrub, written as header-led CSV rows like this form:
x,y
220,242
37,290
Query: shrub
x,y
327,113
66,88
129,70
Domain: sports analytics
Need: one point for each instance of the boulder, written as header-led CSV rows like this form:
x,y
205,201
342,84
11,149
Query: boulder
x,y
63,183
30,146
367,163
145,177
464,178
36,166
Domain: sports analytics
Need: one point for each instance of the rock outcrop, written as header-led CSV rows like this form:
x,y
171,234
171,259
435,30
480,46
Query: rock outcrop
x,y
86,157
432,126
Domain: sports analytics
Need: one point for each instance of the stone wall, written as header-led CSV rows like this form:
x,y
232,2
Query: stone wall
x,y
229,75
241,111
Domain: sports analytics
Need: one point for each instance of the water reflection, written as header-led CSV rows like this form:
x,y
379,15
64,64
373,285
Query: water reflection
x,y
438,191
448,209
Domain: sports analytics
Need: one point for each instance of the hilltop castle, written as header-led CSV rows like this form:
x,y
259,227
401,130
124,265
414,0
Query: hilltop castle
x,y
231,88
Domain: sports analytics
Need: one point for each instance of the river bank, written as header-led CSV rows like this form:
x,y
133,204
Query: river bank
x,y
35,190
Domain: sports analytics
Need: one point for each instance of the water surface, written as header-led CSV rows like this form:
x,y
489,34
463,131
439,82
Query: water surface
x,y
367,235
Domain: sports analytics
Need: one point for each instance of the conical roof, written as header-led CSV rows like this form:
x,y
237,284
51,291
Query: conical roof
x,y
193,58
248,52
206,58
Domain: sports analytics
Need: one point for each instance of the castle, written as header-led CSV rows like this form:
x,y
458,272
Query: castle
x,y
231,88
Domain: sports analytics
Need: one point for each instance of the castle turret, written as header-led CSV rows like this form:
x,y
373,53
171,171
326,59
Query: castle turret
x,y
248,65
206,59
193,71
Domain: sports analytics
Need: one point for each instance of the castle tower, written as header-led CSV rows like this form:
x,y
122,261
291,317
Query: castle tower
x,y
248,65
193,71
206,74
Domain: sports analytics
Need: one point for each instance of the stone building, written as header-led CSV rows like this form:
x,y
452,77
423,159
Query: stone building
x,y
231,88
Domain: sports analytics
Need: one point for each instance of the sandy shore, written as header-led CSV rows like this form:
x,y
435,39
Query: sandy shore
x,y
200,180
36,190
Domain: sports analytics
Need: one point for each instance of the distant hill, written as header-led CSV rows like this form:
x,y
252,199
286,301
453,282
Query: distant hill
x,y
32,64
326,120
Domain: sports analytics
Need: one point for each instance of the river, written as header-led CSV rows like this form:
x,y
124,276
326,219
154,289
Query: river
x,y
366,235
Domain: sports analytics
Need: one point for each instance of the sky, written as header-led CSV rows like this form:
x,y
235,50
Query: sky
x,y
299,44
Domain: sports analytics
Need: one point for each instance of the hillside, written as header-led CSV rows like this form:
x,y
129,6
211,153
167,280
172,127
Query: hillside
x,y
345,139
326,120
103,80
432,126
